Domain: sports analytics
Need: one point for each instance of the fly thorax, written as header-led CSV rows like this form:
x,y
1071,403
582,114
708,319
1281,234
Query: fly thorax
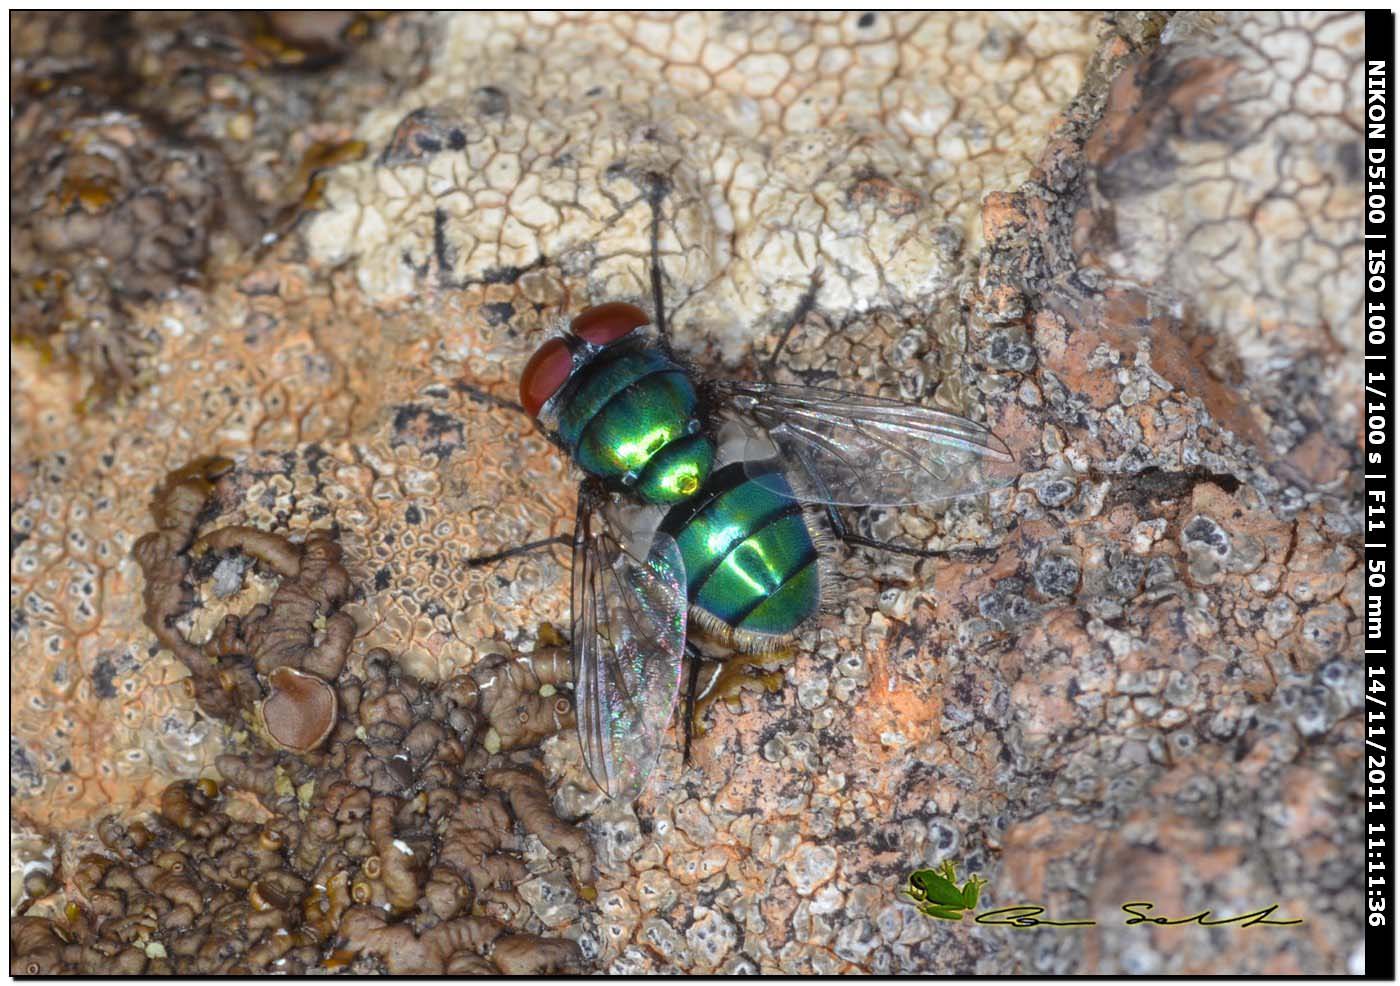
x,y
631,418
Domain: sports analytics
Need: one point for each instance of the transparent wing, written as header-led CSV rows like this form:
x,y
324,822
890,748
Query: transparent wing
x,y
629,612
869,451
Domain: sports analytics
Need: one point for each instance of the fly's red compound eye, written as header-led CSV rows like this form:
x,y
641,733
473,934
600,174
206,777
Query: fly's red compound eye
x,y
544,375
603,324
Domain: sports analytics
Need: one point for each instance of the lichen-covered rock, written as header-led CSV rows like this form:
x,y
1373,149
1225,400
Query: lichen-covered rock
x,y
1145,683
366,793
1204,226
1227,170
853,148
109,212
152,145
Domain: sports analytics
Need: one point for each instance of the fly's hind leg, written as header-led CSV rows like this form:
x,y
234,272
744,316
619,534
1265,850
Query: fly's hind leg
x,y
521,549
843,533
696,659
724,678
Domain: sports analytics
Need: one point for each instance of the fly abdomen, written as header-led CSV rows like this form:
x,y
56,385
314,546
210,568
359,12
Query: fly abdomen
x,y
751,564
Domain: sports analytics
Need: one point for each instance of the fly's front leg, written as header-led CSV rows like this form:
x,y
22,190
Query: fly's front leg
x,y
805,304
484,397
658,187
590,494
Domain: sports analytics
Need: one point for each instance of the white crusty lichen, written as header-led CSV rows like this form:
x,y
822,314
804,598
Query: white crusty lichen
x,y
1240,196
778,148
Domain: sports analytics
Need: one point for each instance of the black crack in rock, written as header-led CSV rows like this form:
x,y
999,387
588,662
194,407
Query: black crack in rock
x,y
1155,485
490,101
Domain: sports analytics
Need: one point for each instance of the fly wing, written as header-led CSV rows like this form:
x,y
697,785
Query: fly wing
x,y
629,612
870,451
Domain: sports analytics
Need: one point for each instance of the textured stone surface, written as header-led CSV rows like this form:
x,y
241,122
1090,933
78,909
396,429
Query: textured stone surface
x,y
1228,174
1148,690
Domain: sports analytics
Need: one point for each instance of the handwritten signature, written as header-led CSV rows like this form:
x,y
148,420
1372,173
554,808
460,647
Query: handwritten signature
x,y
937,893
1029,916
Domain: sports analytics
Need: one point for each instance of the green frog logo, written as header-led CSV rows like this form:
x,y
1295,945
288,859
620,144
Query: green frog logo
x,y
937,894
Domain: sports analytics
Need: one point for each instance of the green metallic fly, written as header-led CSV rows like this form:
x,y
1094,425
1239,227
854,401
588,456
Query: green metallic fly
x,y
675,521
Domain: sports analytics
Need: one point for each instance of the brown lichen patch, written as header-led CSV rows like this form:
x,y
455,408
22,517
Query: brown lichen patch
x,y
457,947
37,948
299,712
295,641
151,146
520,698
530,802
163,560
302,626
398,846
109,212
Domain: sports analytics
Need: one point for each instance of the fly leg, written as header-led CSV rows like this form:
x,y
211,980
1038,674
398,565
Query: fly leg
x,y
695,659
714,678
483,397
804,307
590,495
657,188
845,534
521,549
477,394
